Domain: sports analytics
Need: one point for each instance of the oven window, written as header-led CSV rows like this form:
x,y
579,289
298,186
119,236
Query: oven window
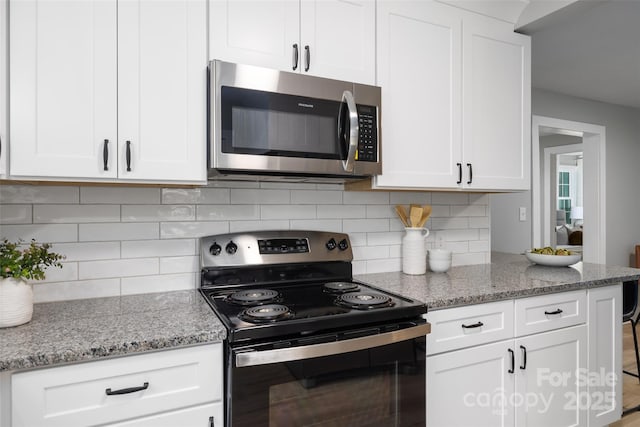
x,y
379,387
272,124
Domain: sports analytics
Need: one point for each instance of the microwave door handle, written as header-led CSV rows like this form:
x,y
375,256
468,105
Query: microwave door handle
x,y
354,131
255,358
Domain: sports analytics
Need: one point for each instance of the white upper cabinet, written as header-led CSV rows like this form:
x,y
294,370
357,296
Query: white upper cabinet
x,y
496,81
327,38
162,51
419,71
63,89
88,76
455,99
4,39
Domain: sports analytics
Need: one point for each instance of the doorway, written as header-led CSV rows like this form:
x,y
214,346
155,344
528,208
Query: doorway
x,y
594,197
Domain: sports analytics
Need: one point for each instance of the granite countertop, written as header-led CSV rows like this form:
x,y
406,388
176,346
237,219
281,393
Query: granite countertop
x,y
82,330
508,276
89,329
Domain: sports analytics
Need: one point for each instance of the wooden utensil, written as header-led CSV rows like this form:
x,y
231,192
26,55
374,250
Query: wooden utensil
x,y
426,212
415,214
402,215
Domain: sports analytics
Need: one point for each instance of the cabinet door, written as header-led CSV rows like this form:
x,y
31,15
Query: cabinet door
x,y
162,62
4,39
496,105
605,355
338,39
547,381
471,387
419,72
63,88
256,32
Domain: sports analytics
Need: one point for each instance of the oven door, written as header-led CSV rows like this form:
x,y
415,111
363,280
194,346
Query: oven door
x,y
344,379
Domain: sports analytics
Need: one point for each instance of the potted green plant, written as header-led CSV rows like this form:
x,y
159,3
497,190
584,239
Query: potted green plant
x,y
20,262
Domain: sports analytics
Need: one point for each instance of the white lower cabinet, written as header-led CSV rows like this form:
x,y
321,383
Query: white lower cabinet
x,y
173,387
560,366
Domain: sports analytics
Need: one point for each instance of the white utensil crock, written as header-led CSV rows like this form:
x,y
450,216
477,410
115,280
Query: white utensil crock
x,y
414,252
16,302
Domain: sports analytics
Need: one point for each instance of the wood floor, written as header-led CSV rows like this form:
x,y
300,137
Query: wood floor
x,y
631,386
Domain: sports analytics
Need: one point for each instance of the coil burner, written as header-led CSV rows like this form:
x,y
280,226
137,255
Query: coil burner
x,y
364,300
340,287
253,297
266,313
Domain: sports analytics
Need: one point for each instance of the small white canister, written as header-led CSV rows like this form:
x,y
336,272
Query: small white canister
x,y
439,260
414,252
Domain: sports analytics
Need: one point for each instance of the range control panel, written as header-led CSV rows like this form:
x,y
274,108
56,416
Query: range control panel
x,y
283,246
273,247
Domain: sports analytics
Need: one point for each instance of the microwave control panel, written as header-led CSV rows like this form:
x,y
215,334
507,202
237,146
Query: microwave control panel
x,y
368,139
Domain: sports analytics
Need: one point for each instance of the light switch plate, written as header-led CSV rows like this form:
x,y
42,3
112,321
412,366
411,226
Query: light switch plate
x,y
523,214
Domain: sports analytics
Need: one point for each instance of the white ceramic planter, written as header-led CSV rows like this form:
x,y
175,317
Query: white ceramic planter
x,y
16,302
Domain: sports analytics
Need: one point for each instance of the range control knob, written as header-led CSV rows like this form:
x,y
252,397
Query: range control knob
x,y
215,249
331,244
231,248
343,245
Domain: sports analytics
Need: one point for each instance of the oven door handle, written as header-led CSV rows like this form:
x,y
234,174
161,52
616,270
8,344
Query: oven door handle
x,y
354,130
255,358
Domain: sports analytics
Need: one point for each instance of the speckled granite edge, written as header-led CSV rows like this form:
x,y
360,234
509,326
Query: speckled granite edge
x,y
85,330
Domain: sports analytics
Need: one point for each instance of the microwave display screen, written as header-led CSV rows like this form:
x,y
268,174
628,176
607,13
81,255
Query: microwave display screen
x,y
275,124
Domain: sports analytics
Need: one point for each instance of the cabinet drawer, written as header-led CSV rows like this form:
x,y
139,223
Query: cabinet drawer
x,y
471,325
76,395
547,312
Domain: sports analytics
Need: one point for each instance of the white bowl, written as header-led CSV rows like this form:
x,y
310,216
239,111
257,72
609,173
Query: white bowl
x,y
439,265
441,254
553,260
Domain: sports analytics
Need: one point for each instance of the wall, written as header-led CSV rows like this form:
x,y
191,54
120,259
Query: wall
x,y
623,175
124,240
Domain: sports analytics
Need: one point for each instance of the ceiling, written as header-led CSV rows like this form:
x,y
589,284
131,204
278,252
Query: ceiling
x,y
590,52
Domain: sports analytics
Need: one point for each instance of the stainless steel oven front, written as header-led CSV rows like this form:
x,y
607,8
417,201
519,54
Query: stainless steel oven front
x,y
265,122
373,376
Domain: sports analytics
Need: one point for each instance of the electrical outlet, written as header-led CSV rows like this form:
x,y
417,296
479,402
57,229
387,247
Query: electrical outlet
x,y
523,214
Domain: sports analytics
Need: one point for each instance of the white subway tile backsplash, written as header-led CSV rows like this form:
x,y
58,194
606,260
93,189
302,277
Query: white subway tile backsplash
x,y
366,225
183,264
341,211
158,248
450,199
381,211
117,268
160,283
16,214
127,240
195,195
331,225
142,213
118,231
287,211
409,197
73,214
479,222
196,229
227,212
469,210
245,196
38,194
365,198
46,233
305,197
276,224
119,195
88,251
64,291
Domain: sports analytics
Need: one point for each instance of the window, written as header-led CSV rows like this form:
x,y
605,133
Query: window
x,y
566,190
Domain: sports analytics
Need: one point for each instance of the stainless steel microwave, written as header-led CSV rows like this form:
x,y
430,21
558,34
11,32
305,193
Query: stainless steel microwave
x,y
275,125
